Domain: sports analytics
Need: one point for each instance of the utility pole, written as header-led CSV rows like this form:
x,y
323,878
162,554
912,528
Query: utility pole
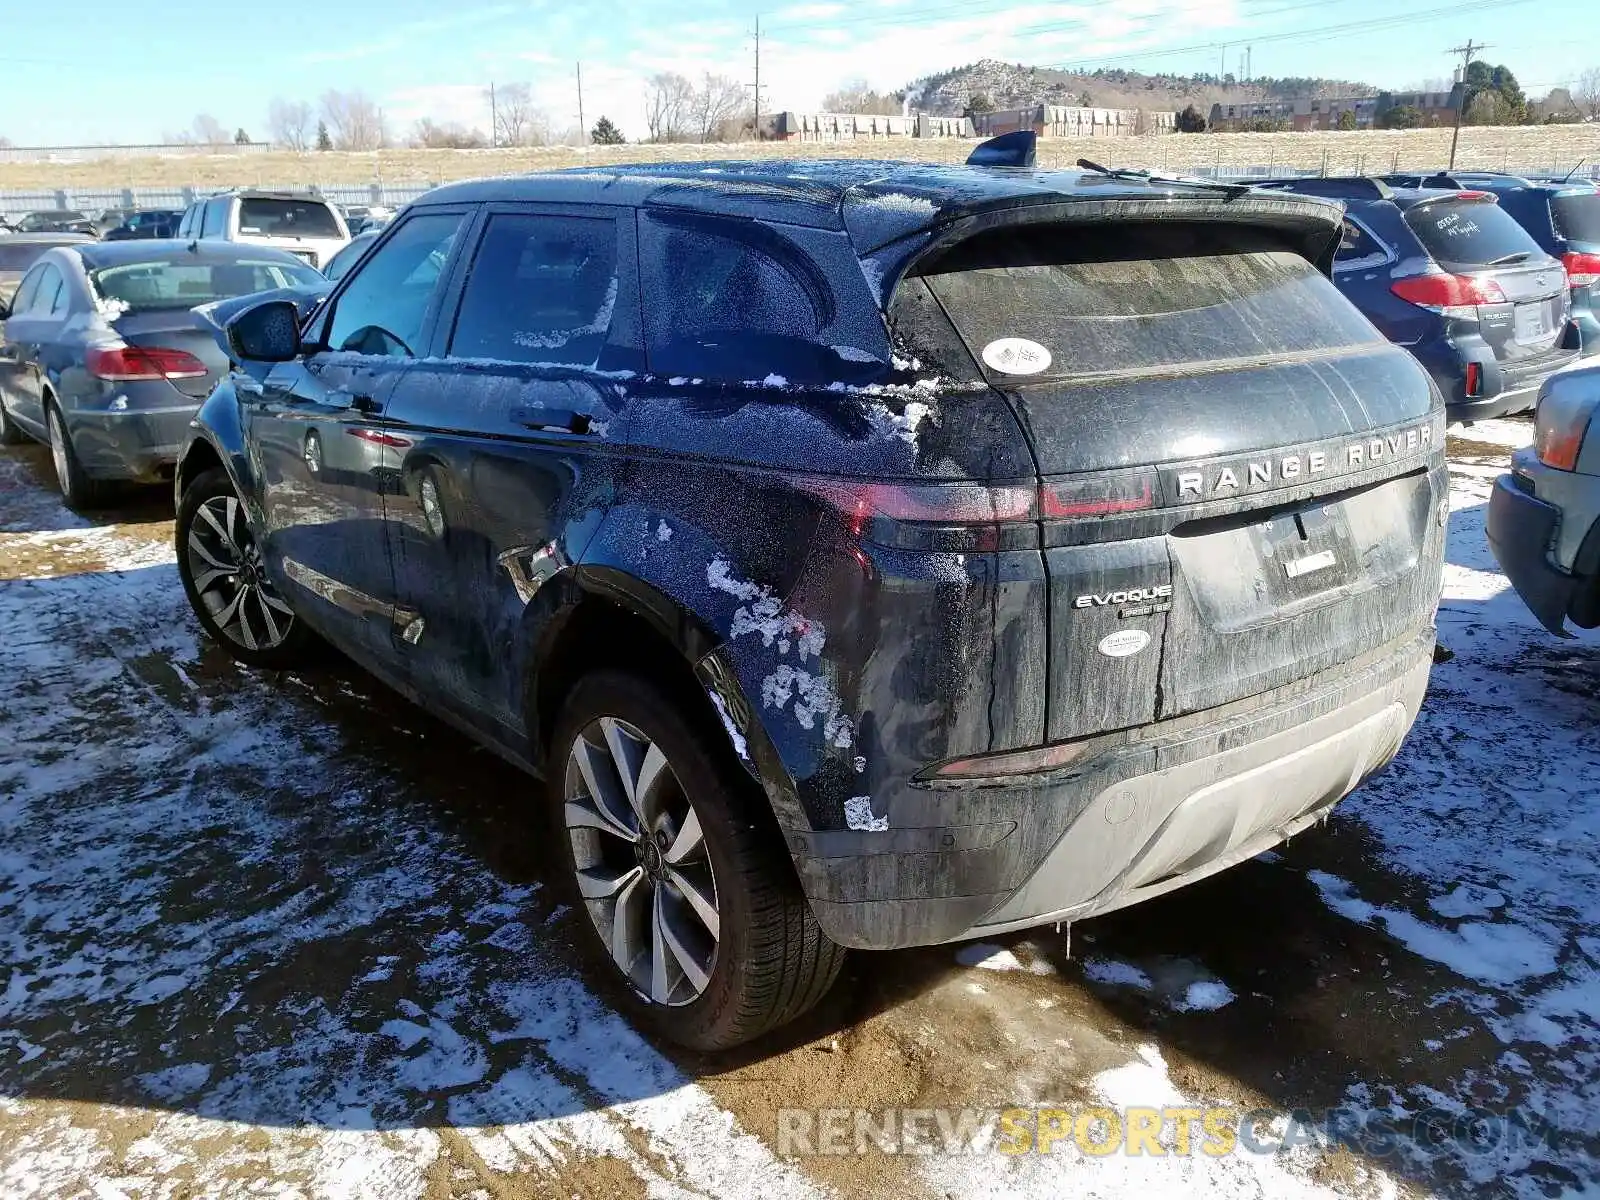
x,y
583,129
494,117
1466,53
756,87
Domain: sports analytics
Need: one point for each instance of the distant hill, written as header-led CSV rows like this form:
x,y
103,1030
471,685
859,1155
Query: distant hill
x,y
1012,85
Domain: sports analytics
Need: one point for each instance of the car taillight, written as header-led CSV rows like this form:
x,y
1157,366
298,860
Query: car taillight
x,y
933,504
128,364
1068,499
1452,295
1583,270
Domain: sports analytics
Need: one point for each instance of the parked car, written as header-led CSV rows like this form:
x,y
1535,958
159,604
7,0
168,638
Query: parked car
x,y
339,265
145,223
1544,516
308,227
1449,275
102,359
864,555
363,217
62,220
1563,216
19,251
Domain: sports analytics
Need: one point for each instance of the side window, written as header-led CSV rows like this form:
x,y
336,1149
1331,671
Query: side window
x,y
50,298
190,227
737,300
25,293
387,296
214,219
1358,248
541,290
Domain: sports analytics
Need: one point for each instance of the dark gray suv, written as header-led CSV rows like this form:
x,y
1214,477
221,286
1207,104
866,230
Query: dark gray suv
x,y
863,554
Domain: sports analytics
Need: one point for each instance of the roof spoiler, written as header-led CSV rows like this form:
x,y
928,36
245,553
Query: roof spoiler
x,y
1333,186
1017,149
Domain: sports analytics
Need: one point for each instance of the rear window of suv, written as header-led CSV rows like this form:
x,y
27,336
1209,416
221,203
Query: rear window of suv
x,y
1467,231
1066,302
1578,216
287,218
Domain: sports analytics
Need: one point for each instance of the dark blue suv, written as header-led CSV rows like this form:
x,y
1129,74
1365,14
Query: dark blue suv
x,y
1453,277
1563,215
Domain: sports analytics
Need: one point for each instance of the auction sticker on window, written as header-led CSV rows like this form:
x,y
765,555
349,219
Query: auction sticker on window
x,y
1016,356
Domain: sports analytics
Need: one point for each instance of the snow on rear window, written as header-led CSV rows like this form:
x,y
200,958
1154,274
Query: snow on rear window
x,y
1131,310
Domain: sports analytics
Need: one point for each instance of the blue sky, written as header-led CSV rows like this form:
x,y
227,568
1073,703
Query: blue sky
x,y
92,70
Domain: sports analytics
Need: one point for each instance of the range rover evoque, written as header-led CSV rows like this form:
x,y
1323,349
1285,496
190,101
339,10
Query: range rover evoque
x,y
863,554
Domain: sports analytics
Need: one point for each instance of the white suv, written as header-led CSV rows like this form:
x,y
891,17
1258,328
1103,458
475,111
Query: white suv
x,y
304,225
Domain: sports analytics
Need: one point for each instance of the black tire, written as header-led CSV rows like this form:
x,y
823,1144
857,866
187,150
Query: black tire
x,y
10,432
293,643
78,488
772,960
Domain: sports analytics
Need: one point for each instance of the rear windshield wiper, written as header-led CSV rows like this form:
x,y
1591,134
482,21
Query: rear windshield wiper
x,y
1227,189
1505,260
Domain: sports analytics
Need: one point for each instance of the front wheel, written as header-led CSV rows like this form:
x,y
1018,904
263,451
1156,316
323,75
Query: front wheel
x,y
691,901
223,576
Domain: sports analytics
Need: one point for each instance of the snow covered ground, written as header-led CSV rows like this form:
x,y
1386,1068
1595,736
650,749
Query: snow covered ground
x,y
284,936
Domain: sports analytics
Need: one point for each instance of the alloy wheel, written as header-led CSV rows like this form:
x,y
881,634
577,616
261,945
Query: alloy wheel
x,y
642,866
58,450
226,568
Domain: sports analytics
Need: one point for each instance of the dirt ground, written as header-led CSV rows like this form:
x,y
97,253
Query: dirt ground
x,y
283,934
1484,148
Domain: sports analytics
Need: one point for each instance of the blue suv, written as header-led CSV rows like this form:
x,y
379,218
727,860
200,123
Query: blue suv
x,y
1450,275
1562,214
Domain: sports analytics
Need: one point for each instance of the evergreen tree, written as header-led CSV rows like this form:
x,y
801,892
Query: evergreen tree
x,y
324,141
605,133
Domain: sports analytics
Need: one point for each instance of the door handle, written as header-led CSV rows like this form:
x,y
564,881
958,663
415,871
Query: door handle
x,y
558,420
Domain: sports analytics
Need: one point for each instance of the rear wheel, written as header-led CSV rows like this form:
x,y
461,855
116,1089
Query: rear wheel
x,y
78,488
223,576
691,902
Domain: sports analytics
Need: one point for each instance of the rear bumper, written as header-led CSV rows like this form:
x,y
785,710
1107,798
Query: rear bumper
x,y
1520,529
141,445
1506,387
1137,814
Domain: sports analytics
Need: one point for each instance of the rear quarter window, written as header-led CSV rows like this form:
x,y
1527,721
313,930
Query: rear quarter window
x,y
739,300
1470,232
1128,301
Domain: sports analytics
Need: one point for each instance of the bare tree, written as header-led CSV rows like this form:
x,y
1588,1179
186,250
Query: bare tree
x,y
1587,93
854,96
516,120
668,99
450,136
209,131
717,101
291,124
354,120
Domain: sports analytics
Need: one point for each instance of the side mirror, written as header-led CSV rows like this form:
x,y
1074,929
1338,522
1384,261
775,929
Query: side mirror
x,y
266,332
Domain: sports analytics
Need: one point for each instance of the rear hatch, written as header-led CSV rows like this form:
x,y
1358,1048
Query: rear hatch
x,y
1521,294
1234,464
179,330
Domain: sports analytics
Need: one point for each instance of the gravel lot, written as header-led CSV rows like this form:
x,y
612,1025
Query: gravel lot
x,y
283,935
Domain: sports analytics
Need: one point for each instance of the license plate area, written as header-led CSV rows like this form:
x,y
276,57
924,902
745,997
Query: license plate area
x,y
1305,553
1531,324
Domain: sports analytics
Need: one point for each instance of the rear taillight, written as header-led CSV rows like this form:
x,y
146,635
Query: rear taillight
x,y
1081,499
1583,270
1452,295
129,364
929,504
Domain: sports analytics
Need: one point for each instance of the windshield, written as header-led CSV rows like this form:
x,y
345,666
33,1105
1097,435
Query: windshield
x,y
169,283
1471,232
48,220
287,218
138,220
1578,217
1160,300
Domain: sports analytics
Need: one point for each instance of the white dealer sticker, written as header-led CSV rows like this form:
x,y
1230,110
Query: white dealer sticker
x,y
1016,356
1124,642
